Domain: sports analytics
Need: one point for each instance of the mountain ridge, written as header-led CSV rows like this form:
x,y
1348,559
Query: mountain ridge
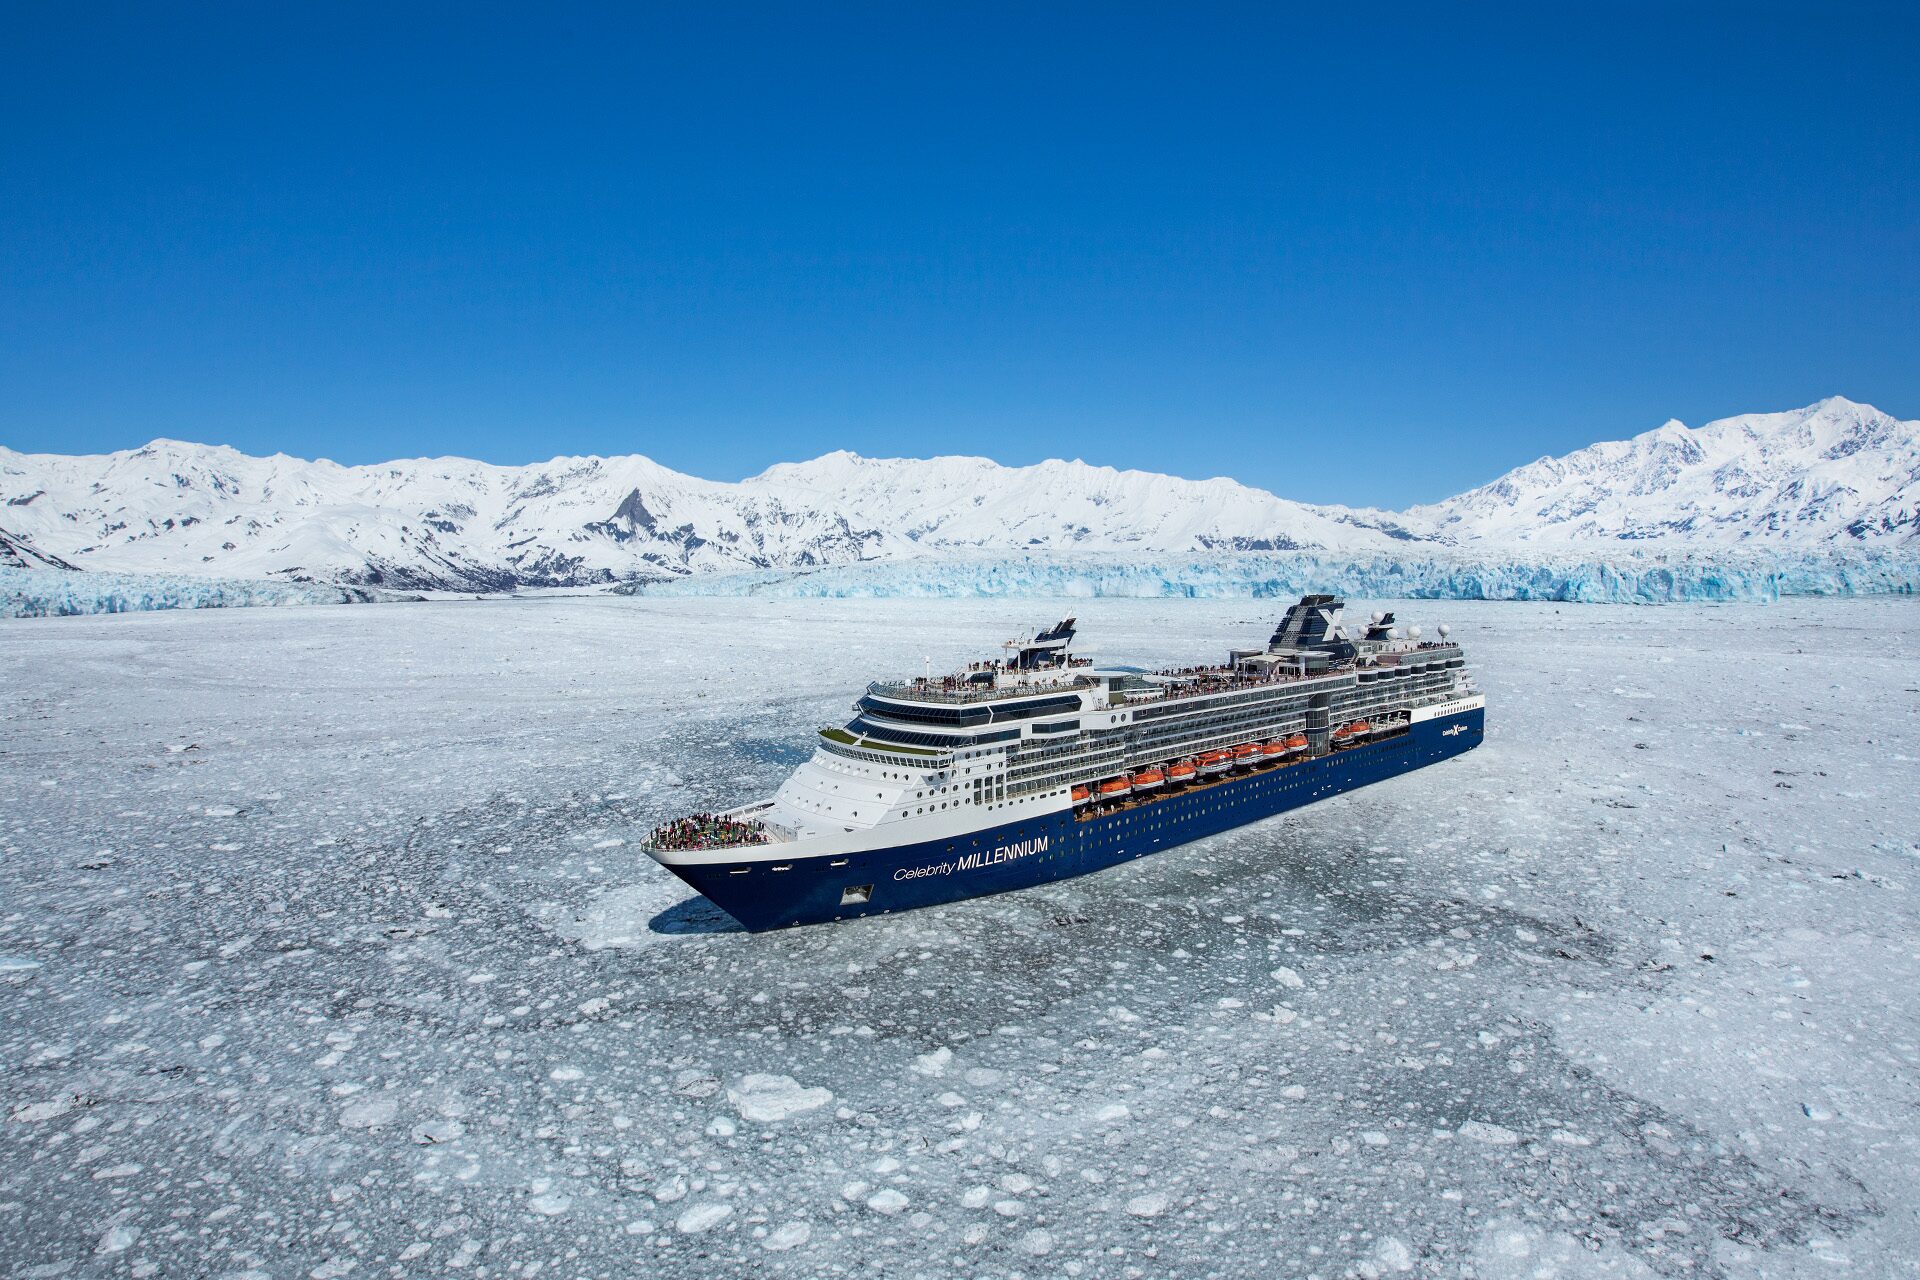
x,y
1835,473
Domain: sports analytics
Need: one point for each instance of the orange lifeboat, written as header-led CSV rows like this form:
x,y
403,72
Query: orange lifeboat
x,y
1182,772
1362,729
1296,743
1273,750
1343,735
1149,780
1215,761
1245,754
1081,795
1115,789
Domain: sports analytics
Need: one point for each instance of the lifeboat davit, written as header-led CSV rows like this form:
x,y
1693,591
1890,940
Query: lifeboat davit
x,y
1081,795
1115,789
1182,772
1215,761
1296,743
1245,754
1149,780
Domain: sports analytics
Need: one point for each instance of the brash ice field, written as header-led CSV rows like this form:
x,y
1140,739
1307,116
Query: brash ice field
x,y
326,949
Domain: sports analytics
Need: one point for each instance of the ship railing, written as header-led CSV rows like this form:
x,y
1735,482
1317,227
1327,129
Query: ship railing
x,y
871,751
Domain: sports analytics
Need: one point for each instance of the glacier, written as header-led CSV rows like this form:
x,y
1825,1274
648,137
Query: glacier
x,y
1617,577
327,951
58,593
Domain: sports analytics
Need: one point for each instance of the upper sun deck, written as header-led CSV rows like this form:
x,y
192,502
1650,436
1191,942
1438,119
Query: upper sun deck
x,y
965,687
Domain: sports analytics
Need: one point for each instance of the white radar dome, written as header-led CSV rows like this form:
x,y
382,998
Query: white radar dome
x,y
1413,633
1445,631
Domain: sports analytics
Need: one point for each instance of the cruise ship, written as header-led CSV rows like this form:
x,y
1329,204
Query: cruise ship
x,y
1038,765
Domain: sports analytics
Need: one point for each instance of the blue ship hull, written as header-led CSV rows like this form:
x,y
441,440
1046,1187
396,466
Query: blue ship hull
x,y
1056,846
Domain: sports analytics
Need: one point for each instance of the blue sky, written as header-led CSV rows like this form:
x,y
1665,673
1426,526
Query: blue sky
x,y
1373,258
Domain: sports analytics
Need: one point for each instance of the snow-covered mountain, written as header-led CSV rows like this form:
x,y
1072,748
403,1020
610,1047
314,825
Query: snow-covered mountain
x,y
182,508
17,553
1833,473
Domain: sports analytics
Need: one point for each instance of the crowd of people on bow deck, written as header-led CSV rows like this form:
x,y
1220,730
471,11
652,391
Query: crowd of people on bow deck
x,y
707,831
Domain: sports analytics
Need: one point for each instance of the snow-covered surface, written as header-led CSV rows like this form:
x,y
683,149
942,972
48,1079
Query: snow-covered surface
x,y
1834,473
1622,576
56,593
347,962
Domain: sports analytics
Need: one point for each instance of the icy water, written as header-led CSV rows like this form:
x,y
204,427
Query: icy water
x,y
326,950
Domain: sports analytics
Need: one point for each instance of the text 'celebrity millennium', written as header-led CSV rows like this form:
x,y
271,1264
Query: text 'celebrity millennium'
x,y
1038,766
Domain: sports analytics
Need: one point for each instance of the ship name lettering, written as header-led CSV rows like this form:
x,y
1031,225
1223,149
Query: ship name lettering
x,y
975,861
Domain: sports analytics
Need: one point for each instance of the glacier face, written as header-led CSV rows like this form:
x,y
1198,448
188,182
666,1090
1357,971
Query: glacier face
x,y
1632,576
1835,474
52,593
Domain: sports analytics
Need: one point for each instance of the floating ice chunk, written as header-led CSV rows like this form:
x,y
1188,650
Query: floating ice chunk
x,y
433,1132
550,1205
951,1099
117,1239
17,964
1513,1250
1037,1242
1111,1112
888,1202
566,1074
1492,1134
702,1217
1392,1254
790,1236
370,1112
221,811
935,1063
1288,978
721,1127
696,1084
766,1098
29,1112
976,1197
1151,1205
